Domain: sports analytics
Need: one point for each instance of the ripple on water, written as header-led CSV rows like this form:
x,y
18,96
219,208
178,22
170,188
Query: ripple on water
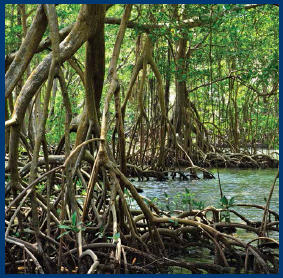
x,y
250,186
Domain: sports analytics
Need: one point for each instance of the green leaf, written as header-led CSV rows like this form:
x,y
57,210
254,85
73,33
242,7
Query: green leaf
x,y
16,234
116,236
63,234
224,201
62,226
232,200
74,217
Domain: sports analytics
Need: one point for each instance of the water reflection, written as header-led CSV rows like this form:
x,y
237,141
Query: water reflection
x,y
249,186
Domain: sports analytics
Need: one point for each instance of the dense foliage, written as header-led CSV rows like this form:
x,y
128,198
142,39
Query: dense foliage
x,y
241,43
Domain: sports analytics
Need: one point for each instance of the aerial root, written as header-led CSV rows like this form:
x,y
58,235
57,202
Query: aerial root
x,y
148,241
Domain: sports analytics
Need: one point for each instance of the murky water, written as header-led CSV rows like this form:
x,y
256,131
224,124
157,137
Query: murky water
x,y
249,186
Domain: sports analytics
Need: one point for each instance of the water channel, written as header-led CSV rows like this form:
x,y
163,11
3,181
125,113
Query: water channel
x,y
249,186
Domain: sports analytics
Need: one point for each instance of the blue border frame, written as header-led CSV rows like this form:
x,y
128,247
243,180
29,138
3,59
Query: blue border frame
x,y
3,104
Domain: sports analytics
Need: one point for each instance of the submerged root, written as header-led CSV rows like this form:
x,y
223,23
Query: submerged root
x,y
113,238
137,241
